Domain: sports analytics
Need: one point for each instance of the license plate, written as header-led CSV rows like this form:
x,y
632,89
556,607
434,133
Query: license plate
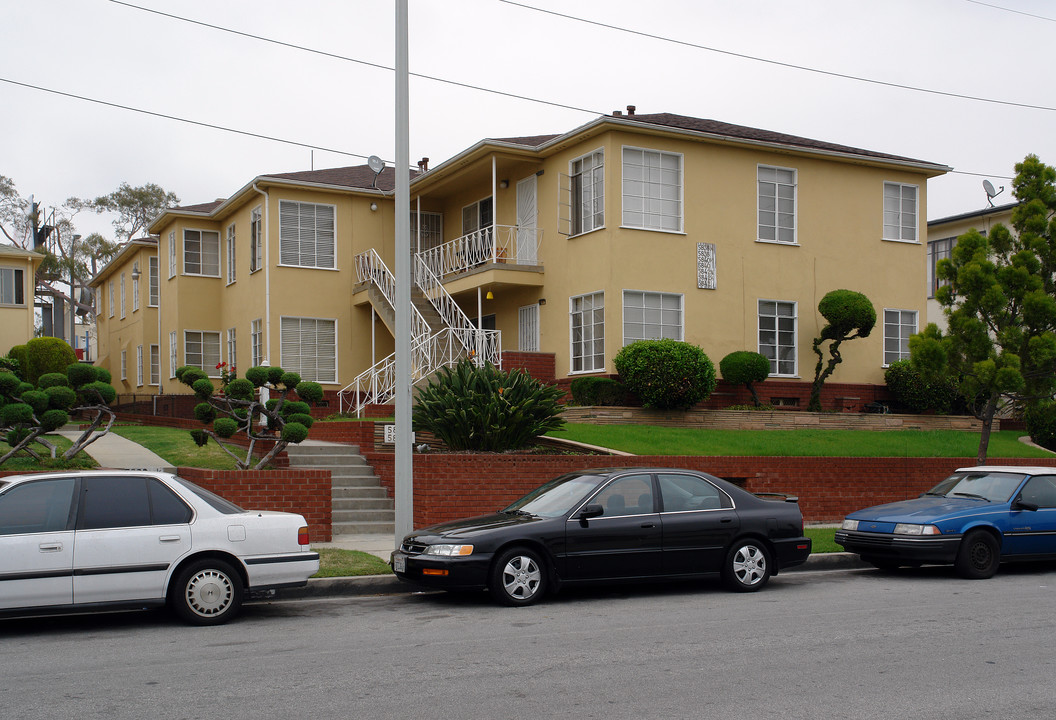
x,y
399,564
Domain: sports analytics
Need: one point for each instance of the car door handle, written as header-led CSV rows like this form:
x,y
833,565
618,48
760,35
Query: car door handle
x,y
169,538
50,547
726,520
648,525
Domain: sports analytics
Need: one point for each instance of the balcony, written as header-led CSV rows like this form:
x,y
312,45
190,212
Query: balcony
x,y
503,247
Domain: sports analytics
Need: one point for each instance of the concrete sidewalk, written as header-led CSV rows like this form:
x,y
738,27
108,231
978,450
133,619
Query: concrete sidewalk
x,y
114,451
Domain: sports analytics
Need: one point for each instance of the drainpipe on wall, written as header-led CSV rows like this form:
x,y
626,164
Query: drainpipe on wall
x,y
267,277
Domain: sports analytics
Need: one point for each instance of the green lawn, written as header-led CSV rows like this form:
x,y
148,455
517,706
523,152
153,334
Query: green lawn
x,y
337,562
177,447
822,539
655,440
24,461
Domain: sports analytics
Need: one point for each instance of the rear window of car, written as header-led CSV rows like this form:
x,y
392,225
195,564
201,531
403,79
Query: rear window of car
x,y
210,498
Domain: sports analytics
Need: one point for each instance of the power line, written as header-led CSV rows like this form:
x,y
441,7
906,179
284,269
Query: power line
x,y
779,63
367,63
1017,12
199,123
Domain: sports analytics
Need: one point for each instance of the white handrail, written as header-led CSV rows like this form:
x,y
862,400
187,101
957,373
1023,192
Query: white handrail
x,y
481,343
371,268
495,243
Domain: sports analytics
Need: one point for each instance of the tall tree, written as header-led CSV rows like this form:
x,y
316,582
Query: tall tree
x,y
135,207
849,315
1000,303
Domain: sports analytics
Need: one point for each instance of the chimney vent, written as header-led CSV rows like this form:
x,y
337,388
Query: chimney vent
x,y
631,109
423,164
617,113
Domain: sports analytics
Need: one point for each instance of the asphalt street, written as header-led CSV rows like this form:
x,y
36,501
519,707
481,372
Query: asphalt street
x,y
848,644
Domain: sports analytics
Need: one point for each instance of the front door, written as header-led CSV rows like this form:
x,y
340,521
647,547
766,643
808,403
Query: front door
x,y
527,235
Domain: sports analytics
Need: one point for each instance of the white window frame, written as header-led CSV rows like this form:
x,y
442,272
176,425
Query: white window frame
x,y
172,255
256,240
256,342
135,286
232,348
941,249
110,295
644,295
893,217
646,197
777,345
14,286
587,194
901,352
205,363
296,354
293,251
154,282
155,365
124,364
174,354
431,225
587,363
476,212
139,366
122,296
230,245
775,213
213,240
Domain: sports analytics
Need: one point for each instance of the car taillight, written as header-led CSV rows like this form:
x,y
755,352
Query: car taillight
x,y
302,535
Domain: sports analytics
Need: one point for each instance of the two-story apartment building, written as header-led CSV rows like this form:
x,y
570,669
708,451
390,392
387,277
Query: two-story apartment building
x,y
627,227
18,269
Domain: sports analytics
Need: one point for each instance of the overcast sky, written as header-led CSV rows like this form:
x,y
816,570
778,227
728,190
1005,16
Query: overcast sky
x,y
55,147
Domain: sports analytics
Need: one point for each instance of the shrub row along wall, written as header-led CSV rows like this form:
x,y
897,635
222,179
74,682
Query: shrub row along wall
x,y
450,486
305,492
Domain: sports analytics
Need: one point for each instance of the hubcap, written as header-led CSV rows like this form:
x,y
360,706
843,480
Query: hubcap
x,y
209,593
981,556
521,577
749,565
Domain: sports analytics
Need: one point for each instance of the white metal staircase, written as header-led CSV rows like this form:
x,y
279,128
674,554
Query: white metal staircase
x,y
431,348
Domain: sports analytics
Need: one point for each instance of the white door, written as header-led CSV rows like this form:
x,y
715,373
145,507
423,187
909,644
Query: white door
x,y
527,236
528,328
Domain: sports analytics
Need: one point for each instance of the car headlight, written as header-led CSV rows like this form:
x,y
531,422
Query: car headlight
x,y
850,525
448,550
913,529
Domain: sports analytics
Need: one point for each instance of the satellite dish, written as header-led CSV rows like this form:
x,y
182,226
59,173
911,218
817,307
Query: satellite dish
x,y
376,164
990,192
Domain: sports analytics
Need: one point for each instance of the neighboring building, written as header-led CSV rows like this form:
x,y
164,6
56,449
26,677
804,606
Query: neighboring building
x,y
628,227
18,269
942,236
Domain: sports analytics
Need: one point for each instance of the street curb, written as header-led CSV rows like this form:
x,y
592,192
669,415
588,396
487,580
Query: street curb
x,y
390,585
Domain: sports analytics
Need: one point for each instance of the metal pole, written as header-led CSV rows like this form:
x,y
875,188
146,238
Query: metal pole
x,y
404,481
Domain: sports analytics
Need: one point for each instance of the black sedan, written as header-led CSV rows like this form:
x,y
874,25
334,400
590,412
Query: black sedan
x,y
611,524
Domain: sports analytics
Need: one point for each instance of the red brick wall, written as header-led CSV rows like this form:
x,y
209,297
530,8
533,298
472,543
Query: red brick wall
x,y
301,491
450,486
541,366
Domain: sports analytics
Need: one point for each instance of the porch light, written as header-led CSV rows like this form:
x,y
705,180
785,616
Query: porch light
x,y
489,296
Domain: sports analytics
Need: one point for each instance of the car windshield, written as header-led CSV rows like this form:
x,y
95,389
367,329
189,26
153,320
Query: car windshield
x,y
556,497
214,501
981,485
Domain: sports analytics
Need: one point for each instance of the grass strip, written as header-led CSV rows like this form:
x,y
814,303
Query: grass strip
x,y
338,562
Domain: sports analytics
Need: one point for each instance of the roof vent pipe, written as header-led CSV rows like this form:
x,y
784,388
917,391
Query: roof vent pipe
x,y
423,164
617,113
631,109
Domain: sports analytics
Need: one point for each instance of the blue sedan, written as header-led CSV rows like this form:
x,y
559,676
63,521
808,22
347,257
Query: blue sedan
x,y
975,519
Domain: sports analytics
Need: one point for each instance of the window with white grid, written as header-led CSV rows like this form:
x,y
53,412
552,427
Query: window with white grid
x,y
135,287
900,212
777,204
256,240
256,343
232,357
153,281
172,254
651,316
777,335
173,354
588,192
201,348
155,365
652,189
308,347
231,253
587,332
898,326
201,253
139,366
122,296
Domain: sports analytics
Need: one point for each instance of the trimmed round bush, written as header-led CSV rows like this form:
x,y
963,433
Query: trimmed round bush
x,y
23,387
275,375
292,407
240,389
103,375
597,391
53,420
310,392
301,418
9,383
59,397
204,412
745,367
52,380
16,435
915,394
189,375
666,374
225,427
200,437
81,374
203,387
98,392
16,414
294,433
48,355
1041,424
36,399
18,354
257,375
290,380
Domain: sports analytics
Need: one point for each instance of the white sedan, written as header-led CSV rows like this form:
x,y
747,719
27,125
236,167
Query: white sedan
x,y
106,539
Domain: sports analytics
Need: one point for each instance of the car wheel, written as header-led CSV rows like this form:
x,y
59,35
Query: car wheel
x,y
747,566
207,592
978,556
518,577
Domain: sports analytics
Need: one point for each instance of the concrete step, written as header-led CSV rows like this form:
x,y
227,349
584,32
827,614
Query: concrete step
x,y
366,493
361,528
362,503
363,516
358,481
323,449
350,461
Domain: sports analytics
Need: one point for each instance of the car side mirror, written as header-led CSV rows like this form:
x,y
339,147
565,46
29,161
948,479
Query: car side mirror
x,y
1024,505
592,510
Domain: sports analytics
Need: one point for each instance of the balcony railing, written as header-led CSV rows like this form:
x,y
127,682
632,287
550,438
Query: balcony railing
x,y
493,244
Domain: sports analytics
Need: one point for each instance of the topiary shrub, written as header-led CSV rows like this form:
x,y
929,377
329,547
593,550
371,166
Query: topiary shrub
x,y
47,355
666,374
275,375
59,397
483,408
913,393
11,364
310,392
1041,424
48,380
81,374
16,414
98,393
36,399
204,412
290,380
300,419
294,433
53,420
295,408
225,427
240,389
597,391
103,375
189,374
745,367
203,387
9,383
258,376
